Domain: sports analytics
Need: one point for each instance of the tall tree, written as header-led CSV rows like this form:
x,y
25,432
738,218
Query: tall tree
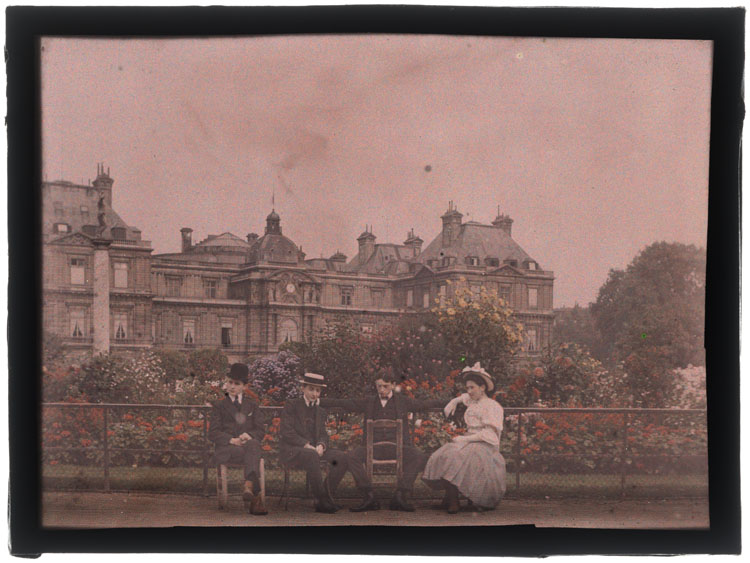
x,y
658,301
651,317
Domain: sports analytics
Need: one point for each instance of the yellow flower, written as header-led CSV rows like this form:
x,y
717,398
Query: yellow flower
x,y
451,311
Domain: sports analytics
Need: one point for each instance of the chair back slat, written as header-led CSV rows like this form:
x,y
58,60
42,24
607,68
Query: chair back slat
x,y
371,462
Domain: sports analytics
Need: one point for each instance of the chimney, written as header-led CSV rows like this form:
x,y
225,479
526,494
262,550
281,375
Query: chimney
x,y
187,239
414,243
503,222
366,245
451,224
338,257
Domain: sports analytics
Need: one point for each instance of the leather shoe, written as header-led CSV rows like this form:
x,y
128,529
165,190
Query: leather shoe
x,y
248,498
399,502
452,498
329,497
368,503
257,507
325,506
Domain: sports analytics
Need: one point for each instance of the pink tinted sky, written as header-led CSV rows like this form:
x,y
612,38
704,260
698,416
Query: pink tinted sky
x,y
596,148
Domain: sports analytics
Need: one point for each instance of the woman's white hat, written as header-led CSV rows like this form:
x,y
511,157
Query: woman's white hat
x,y
477,369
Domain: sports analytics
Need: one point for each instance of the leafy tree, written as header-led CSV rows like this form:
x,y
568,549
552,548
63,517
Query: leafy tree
x,y
208,364
119,379
575,325
341,354
52,349
651,315
174,362
658,301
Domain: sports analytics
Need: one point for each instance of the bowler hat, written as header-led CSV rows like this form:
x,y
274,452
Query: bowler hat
x,y
313,379
239,372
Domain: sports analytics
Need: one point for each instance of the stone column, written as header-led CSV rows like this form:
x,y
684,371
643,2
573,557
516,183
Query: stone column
x,y
101,296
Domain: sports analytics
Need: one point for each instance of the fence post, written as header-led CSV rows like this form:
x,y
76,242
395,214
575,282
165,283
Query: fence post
x,y
623,453
206,453
106,451
518,458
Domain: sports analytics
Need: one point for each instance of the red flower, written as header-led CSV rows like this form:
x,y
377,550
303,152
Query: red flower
x,y
127,417
268,437
266,448
178,427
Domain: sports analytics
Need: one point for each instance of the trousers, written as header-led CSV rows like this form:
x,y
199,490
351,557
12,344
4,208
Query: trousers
x,y
339,463
248,455
414,461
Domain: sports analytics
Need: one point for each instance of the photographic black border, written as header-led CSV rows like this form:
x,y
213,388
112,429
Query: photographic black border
x,y
723,26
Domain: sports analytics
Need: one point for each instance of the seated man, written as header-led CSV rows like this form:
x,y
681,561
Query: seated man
x,y
236,429
392,406
304,442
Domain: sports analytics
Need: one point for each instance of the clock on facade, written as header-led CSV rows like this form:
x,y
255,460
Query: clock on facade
x,y
290,288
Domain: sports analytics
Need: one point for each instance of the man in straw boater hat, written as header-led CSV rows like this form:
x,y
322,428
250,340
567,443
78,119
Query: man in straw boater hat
x,y
304,443
236,428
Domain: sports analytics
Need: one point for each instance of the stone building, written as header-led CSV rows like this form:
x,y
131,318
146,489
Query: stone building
x,y
105,290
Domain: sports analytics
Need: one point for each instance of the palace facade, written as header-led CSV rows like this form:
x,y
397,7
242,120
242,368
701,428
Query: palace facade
x,y
104,289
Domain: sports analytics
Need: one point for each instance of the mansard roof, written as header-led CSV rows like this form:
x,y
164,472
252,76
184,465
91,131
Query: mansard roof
x,y
476,239
224,239
383,255
274,248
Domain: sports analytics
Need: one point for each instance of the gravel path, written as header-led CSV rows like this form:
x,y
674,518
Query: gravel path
x,y
123,510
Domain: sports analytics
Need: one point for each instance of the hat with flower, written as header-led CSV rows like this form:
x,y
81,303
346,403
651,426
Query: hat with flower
x,y
477,369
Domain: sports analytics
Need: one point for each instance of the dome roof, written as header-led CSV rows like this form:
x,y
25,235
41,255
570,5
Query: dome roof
x,y
273,216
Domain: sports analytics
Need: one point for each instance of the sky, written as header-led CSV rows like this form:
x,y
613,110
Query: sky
x,y
595,147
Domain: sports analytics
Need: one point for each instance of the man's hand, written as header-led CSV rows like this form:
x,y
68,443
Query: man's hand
x,y
245,437
309,446
320,449
235,441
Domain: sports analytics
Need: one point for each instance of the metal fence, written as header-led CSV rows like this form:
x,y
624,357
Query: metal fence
x,y
550,452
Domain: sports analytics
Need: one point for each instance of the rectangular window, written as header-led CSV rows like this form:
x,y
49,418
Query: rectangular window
x,y
188,331
476,290
443,291
77,271
121,326
532,343
84,212
505,293
121,274
174,286
377,298
426,299
410,298
209,288
77,323
346,295
226,336
532,298
59,211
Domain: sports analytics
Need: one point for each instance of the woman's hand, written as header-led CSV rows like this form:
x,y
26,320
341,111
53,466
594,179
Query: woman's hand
x,y
460,438
450,408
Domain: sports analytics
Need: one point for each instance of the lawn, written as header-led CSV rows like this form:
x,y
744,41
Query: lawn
x,y
532,485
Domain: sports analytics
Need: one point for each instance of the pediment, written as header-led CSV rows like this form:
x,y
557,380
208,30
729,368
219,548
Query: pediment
x,y
294,276
75,239
424,272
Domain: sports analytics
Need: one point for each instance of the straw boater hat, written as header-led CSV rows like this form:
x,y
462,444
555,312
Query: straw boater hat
x,y
477,369
313,379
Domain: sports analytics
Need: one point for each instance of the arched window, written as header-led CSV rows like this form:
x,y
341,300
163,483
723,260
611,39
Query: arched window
x,y
288,331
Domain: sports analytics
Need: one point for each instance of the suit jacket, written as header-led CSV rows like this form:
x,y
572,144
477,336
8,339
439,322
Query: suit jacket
x,y
294,430
371,405
227,421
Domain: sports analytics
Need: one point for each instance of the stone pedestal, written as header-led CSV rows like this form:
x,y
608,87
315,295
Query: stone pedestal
x,y
101,296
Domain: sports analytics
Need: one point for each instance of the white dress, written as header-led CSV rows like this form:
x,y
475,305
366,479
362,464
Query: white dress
x,y
473,462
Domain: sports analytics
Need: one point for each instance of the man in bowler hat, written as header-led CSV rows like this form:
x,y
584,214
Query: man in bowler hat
x,y
236,428
304,442
386,404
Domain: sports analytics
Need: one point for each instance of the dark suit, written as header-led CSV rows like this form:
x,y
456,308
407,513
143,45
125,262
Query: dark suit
x,y
302,425
229,421
397,407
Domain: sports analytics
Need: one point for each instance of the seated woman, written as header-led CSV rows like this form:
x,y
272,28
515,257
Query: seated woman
x,y
471,464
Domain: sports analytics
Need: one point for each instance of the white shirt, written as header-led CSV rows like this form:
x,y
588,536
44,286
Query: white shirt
x,y
384,401
237,397
316,402
484,419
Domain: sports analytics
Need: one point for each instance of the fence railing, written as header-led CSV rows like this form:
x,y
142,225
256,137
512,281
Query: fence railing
x,y
549,451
